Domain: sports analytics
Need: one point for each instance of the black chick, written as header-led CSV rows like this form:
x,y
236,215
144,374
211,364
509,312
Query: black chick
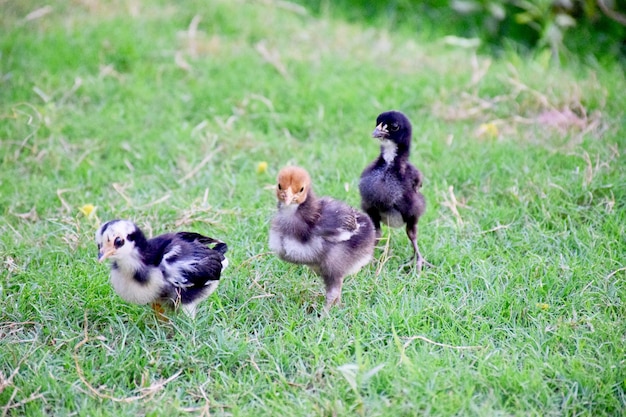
x,y
390,185
170,270
327,235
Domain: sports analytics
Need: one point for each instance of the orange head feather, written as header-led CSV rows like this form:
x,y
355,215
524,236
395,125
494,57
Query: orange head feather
x,y
293,185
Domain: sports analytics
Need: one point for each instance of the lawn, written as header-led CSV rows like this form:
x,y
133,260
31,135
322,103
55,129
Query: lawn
x,y
163,112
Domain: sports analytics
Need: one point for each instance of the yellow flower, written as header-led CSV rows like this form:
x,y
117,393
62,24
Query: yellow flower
x,y
488,129
87,210
261,167
543,306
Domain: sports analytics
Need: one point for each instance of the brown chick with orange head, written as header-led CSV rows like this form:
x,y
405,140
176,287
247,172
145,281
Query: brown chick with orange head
x,y
327,235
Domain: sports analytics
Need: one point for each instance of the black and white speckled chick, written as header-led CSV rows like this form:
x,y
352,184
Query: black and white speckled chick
x,y
390,185
329,236
167,271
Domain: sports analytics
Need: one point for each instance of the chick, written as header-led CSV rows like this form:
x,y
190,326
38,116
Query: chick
x,y
390,185
327,235
171,270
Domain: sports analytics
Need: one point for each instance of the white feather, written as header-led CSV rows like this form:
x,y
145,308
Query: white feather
x,y
392,218
134,292
296,251
275,242
342,236
389,150
173,252
176,270
292,250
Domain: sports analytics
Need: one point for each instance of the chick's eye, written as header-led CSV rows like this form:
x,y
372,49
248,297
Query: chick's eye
x,y
301,189
118,242
394,127
279,187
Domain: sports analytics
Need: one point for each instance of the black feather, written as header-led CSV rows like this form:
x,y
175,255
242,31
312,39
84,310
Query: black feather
x,y
204,263
218,245
185,265
390,185
152,250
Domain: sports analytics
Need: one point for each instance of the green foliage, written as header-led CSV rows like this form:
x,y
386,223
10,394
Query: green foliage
x,y
565,27
577,26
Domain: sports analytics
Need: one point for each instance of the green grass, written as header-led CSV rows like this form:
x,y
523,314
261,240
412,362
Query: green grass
x,y
112,104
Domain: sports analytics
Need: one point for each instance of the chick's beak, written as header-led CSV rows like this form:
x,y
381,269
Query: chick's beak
x,y
288,196
107,251
380,132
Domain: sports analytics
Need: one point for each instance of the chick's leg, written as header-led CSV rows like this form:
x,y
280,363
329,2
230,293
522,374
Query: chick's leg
x,y
411,232
333,291
375,216
159,312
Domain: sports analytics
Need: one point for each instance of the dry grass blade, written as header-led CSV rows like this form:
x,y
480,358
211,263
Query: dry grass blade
x,y
384,257
10,329
255,283
432,342
271,57
588,170
615,272
192,33
562,119
250,259
32,397
64,203
157,201
479,70
180,61
120,190
198,167
38,13
145,392
613,14
207,215
452,203
495,229
287,5
78,82
6,382
30,215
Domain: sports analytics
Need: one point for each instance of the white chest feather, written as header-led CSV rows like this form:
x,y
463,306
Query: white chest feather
x,y
389,150
293,250
308,252
286,245
132,291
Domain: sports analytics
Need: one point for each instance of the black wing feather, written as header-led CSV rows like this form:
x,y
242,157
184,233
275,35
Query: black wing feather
x,y
155,248
336,219
190,261
207,269
218,245
414,176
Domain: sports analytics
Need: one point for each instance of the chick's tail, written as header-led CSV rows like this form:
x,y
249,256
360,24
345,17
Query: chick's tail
x,y
215,244
220,247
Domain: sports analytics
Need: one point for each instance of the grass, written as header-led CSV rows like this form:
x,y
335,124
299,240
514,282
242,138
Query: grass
x,y
161,112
